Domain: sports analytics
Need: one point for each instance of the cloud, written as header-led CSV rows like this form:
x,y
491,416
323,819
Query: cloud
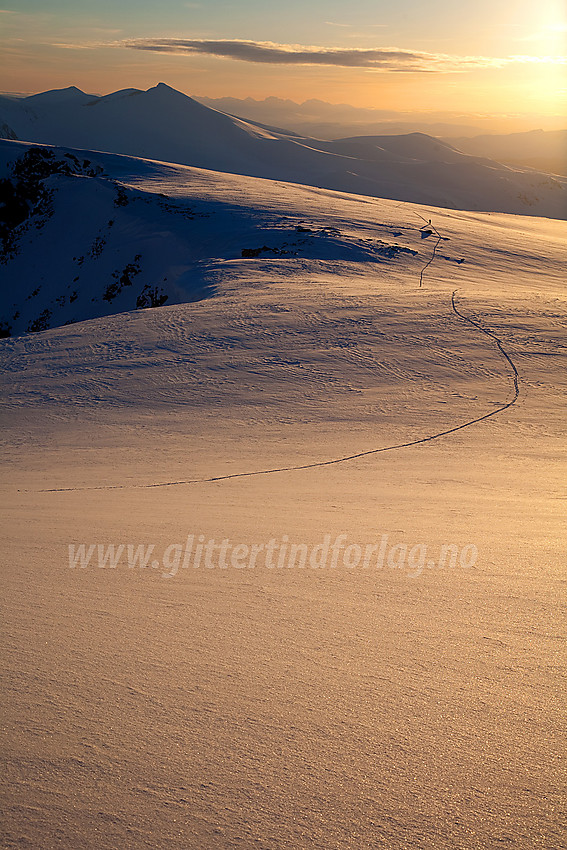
x,y
68,45
351,26
269,53
540,60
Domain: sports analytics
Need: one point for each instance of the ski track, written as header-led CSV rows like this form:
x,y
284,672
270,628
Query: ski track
x,y
428,263
346,458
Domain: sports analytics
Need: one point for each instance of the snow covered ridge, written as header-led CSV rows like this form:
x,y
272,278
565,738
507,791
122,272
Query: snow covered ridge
x,y
78,243
87,234
57,216
168,126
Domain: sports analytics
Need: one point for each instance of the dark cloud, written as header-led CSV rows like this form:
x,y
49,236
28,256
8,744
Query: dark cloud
x,y
382,58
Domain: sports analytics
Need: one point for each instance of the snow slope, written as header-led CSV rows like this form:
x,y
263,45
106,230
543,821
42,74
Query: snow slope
x,y
330,708
150,233
166,125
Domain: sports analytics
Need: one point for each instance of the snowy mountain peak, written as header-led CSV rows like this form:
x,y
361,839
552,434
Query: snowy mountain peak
x,y
163,96
118,95
164,90
165,87
55,96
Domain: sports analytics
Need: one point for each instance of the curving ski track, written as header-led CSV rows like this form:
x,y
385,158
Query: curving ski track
x,y
346,458
432,257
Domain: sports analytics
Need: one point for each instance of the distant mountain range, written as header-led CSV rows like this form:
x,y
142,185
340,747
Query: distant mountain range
x,y
545,151
166,125
324,120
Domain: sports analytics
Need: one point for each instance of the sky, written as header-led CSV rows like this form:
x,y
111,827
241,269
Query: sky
x,y
494,57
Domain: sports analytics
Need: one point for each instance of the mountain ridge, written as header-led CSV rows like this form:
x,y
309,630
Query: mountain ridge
x,y
166,125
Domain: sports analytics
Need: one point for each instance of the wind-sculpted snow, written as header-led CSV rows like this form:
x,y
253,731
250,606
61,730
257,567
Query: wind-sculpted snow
x,y
77,243
150,703
102,234
166,125
316,464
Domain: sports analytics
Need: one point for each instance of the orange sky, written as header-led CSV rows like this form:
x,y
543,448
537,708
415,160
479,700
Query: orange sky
x,y
487,56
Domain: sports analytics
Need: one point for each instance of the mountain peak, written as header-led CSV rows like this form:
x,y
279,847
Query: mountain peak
x,y
65,95
166,97
165,92
164,88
